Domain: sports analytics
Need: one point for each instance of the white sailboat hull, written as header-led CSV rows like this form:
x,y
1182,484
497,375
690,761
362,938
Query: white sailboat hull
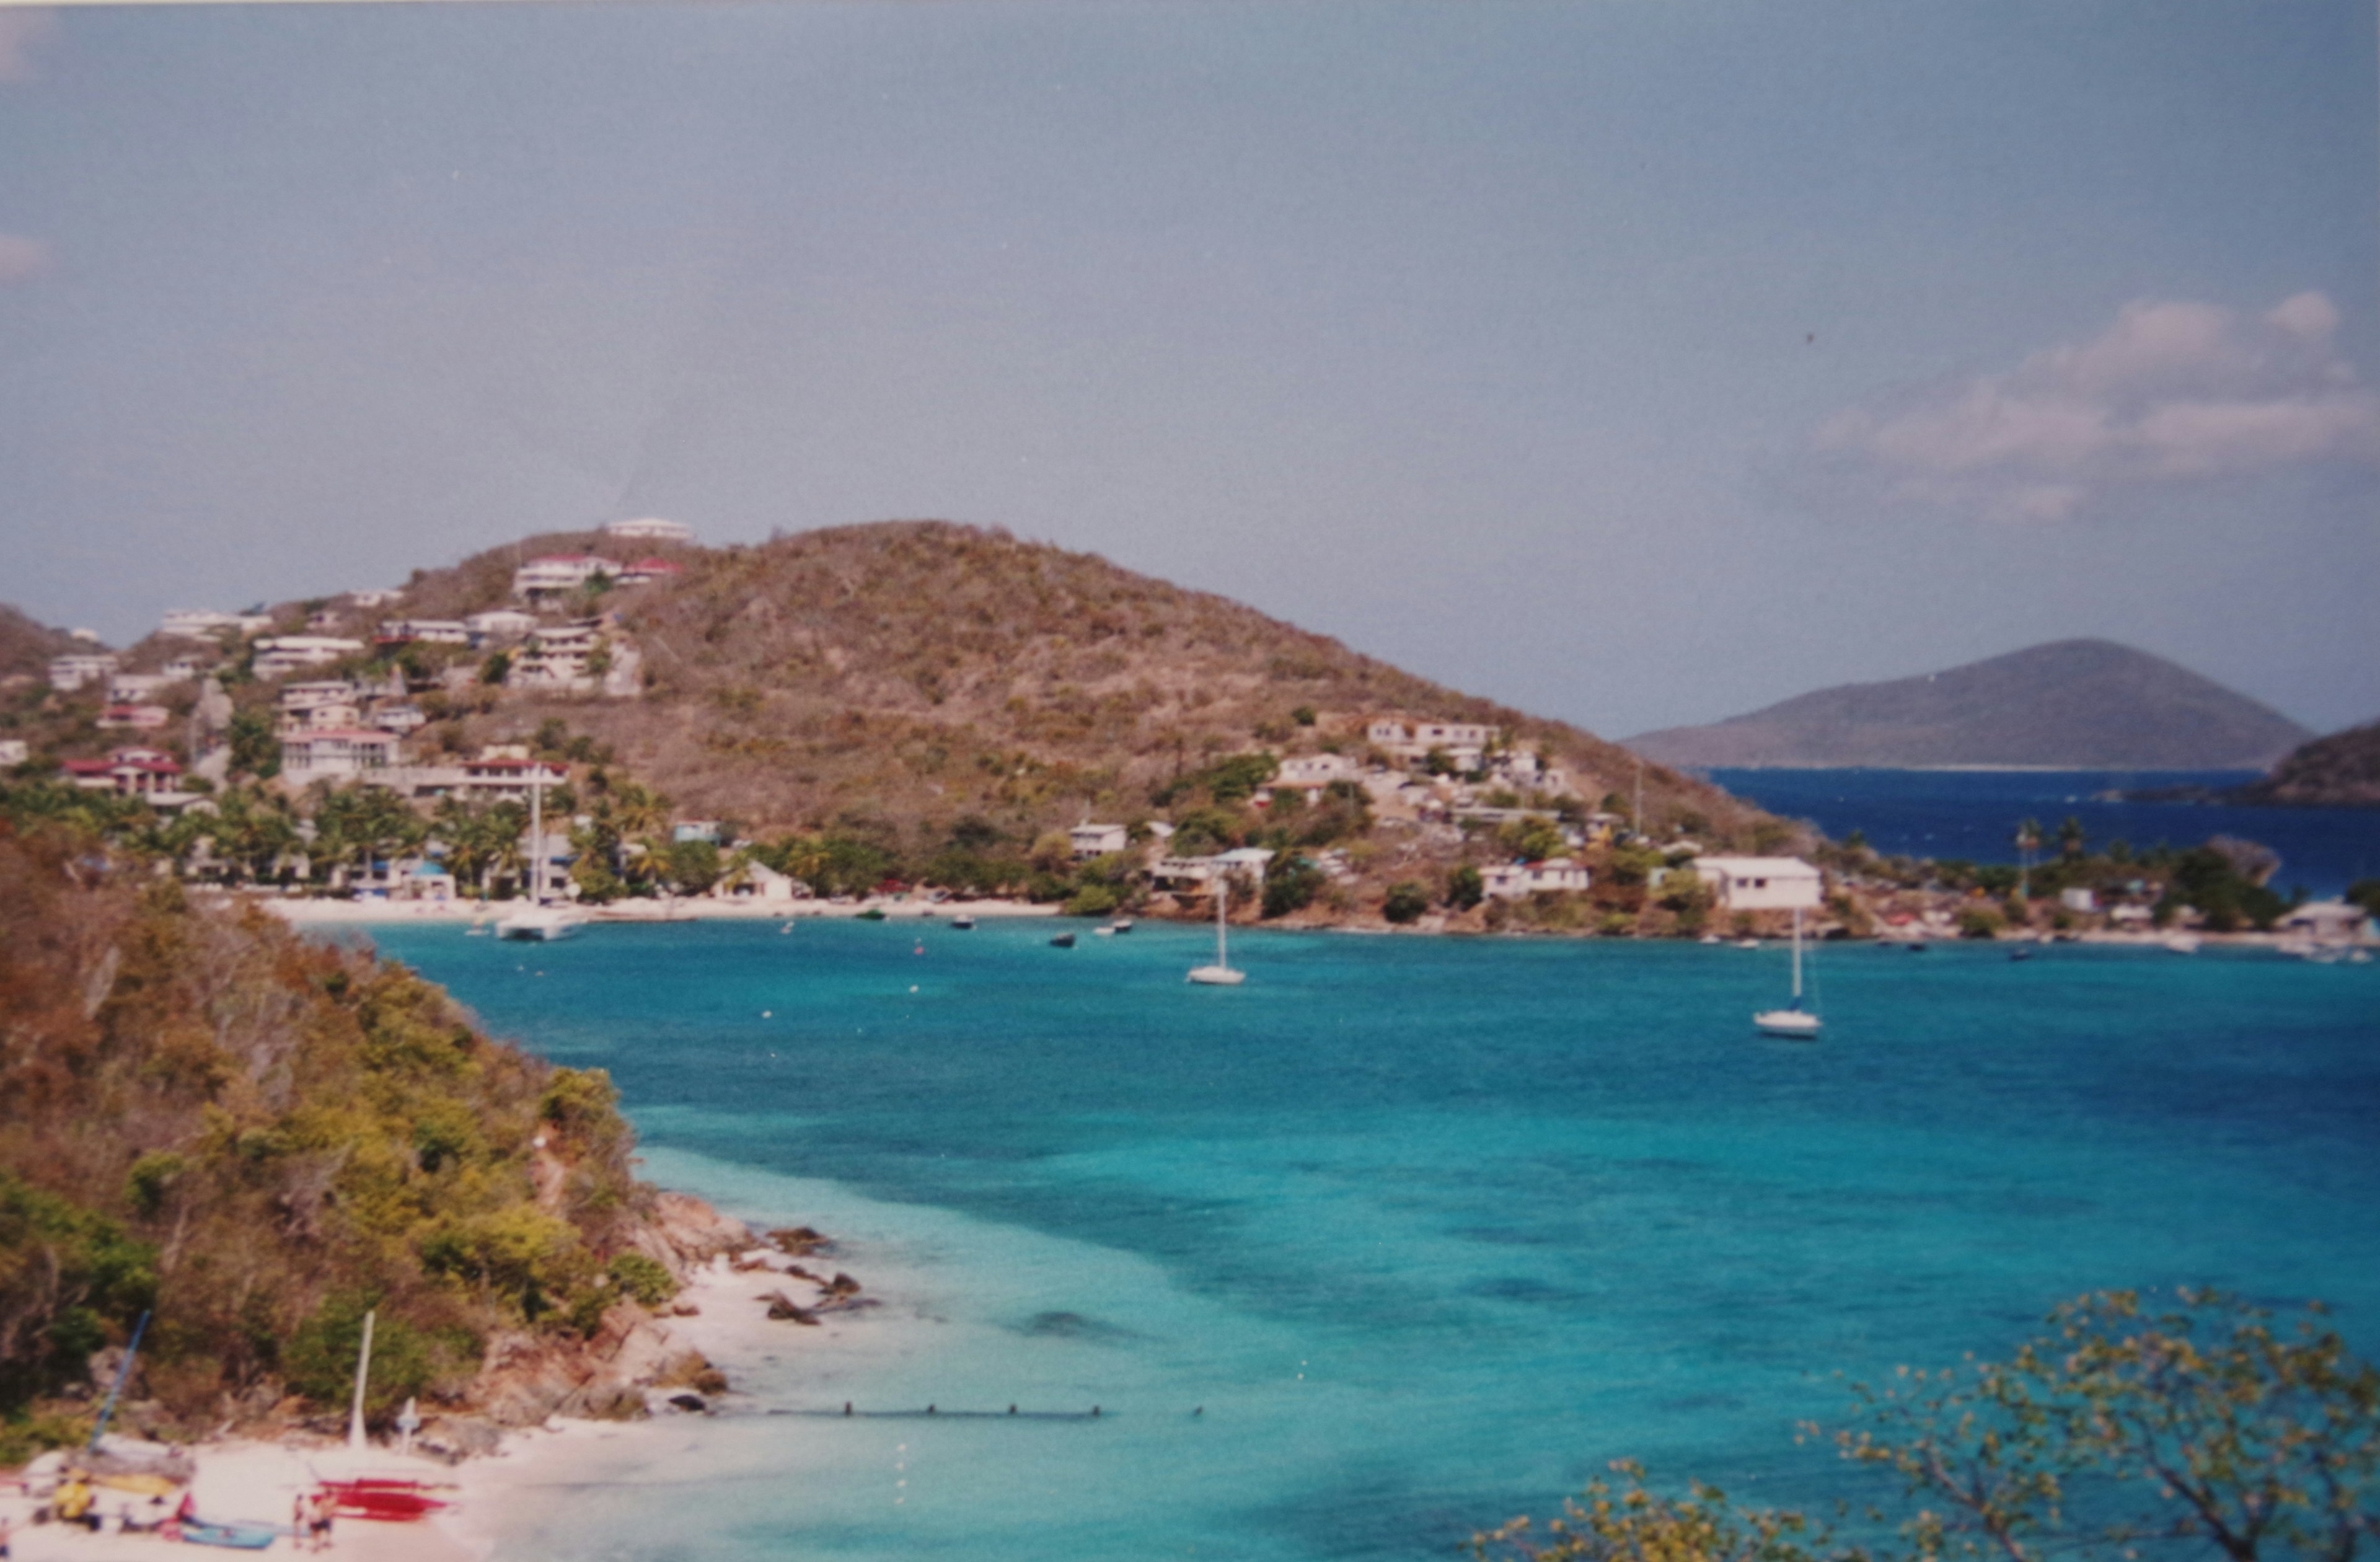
x,y
541,924
1217,976
1786,1022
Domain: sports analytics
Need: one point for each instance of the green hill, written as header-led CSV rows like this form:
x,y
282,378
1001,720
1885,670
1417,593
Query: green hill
x,y
2077,704
256,1137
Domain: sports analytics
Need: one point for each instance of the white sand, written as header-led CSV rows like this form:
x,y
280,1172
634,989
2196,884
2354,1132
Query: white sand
x,y
488,1498
306,911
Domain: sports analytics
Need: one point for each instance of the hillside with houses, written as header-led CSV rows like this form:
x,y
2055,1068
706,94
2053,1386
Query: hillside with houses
x,y
915,704
918,710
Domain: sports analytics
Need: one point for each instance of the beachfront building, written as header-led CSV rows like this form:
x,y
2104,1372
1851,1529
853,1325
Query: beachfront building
x,y
1513,881
551,575
314,754
1098,840
283,654
755,881
1762,884
651,529
2328,921
77,669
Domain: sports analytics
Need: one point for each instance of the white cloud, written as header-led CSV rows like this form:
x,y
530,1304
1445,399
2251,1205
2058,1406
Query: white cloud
x,y
2170,393
21,258
21,29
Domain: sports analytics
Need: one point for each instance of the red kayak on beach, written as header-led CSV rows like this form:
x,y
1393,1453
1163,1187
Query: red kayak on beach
x,y
389,1501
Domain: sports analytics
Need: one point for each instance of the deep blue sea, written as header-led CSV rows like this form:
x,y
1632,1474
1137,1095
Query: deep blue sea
x,y
1973,814
1408,1235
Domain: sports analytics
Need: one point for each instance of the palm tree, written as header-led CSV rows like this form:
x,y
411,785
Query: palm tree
x,y
2028,841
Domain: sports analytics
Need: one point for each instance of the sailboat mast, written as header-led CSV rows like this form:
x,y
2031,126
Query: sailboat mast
x,y
1797,953
1222,894
536,838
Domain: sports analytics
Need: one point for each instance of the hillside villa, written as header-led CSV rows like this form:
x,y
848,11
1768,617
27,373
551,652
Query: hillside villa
x,y
650,529
1098,840
550,575
280,655
71,671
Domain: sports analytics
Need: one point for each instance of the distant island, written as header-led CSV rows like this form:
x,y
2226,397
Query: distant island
x,y
2340,771
2081,704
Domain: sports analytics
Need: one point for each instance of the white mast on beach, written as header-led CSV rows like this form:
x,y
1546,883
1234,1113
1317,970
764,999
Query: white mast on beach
x,y
363,1370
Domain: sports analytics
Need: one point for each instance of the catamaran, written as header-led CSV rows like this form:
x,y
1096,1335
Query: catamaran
x,y
1221,973
1793,1019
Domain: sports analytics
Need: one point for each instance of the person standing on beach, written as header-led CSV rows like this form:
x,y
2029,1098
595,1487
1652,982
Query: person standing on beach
x,y
325,1506
299,1521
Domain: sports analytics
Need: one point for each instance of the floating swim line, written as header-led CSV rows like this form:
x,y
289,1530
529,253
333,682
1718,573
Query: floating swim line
x,y
936,1412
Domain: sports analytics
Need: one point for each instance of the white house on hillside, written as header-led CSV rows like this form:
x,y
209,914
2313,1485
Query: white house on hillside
x,y
1762,884
1179,872
554,574
651,529
76,669
314,753
502,623
1098,840
285,654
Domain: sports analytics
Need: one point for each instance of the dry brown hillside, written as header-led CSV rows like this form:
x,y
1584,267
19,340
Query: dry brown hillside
x,y
26,646
914,672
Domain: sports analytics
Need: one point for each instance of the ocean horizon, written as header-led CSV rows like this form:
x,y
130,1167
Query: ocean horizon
x,y
1408,1235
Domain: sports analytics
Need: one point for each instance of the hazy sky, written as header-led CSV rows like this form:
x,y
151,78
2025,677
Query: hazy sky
x,y
1636,361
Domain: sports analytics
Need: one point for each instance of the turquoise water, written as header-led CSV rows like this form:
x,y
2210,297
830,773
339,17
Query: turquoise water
x,y
1973,814
1424,1230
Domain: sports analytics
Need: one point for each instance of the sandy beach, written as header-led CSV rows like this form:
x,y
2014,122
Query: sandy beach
x,y
535,1470
308,911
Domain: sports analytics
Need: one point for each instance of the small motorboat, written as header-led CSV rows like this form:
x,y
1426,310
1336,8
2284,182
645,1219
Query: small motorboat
x,y
1103,932
1063,941
1122,924
2020,953
962,923
873,914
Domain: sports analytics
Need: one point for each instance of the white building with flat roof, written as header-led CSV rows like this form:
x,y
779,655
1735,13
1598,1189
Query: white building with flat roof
x,y
502,623
651,529
1763,884
284,655
317,753
1555,875
555,574
73,670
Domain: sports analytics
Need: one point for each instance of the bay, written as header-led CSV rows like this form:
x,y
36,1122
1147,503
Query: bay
x,y
1409,1234
1973,814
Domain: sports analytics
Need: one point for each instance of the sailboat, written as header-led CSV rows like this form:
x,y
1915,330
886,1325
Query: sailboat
x,y
1793,1019
1221,973
539,921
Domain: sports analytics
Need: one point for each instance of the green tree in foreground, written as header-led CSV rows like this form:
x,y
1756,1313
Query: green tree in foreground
x,y
2204,1427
